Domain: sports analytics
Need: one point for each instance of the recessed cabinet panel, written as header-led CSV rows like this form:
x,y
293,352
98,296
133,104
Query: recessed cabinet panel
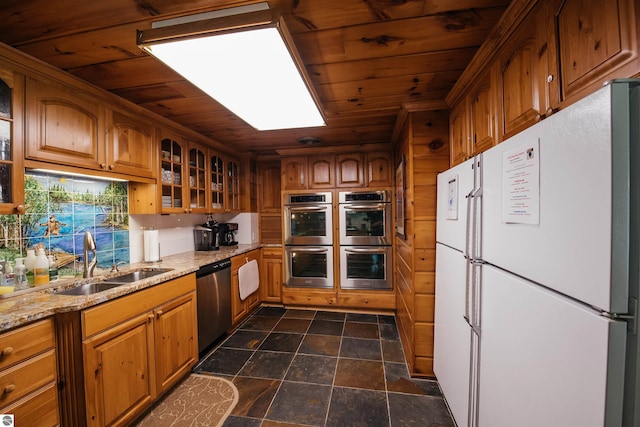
x,y
594,39
171,175
378,169
63,126
130,149
459,135
349,170
482,109
321,172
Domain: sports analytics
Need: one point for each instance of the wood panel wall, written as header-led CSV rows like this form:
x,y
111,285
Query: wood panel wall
x,y
424,144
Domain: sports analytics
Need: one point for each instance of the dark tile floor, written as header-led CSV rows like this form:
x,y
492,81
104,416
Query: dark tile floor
x,y
320,368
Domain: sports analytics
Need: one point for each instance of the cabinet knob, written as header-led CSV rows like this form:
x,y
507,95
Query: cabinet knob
x,y
9,388
102,166
158,313
7,352
20,209
549,78
111,167
366,301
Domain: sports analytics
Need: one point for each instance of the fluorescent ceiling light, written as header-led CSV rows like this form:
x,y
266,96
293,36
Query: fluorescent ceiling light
x,y
246,62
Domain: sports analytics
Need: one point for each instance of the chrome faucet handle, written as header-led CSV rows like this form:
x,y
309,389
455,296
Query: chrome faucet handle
x,y
114,266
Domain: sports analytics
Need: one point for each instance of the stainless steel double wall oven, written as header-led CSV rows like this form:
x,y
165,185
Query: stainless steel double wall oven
x,y
365,240
308,230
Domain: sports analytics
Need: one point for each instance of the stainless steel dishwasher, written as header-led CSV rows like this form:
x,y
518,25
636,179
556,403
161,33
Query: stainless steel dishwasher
x,y
213,289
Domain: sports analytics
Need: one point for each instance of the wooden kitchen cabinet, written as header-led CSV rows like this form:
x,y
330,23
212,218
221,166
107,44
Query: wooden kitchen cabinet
x,y
523,74
173,149
596,41
196,179
482,114
136,347
379,300
294,173
130,145
459,134
321,171
378,170
233,186
309,297
269,184
216,169
271,275
64,125
11,142
349,170
239,308
28,374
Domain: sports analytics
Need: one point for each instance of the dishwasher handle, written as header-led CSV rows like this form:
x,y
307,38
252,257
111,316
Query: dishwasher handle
x,y
213,268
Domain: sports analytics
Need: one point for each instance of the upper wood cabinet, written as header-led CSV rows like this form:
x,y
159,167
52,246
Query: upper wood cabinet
x,y
321,172
64,126
459,134
269,184
378,170
130,145
71,128
197,176
294,173
233,186
173,152
596,41
349,170
482,114
11,142
216,169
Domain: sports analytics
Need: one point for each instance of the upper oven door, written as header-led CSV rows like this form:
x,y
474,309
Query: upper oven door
x,y
365,224
309,224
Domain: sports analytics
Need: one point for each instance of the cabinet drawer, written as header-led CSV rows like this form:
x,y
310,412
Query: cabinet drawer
x,y
386,301
309,298
25,342
22,379
37,409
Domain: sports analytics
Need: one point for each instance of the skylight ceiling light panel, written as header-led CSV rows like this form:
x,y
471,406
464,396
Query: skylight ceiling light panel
x,y
251,72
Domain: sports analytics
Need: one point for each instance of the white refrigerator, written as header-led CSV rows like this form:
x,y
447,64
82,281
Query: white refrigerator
x,y
537,272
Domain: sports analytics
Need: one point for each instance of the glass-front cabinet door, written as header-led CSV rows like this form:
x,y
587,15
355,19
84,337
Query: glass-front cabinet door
x,y
11,153
217,182
172,161
197,180
233,186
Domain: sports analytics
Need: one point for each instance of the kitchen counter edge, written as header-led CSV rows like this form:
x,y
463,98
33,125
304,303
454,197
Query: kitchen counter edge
x,y
28,307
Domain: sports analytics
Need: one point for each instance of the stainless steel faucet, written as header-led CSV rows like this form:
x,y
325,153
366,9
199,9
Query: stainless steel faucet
x,y
89,245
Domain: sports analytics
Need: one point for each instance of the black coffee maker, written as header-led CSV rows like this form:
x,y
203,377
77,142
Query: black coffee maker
x,y
227,233
206,236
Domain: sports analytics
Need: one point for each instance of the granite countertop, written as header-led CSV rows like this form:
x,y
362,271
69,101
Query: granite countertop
x,y
27,306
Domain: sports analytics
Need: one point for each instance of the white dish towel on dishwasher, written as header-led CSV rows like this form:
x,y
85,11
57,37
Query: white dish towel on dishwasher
x,y
248,278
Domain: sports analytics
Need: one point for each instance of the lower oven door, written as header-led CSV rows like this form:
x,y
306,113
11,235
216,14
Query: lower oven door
x,y
365,267
309,266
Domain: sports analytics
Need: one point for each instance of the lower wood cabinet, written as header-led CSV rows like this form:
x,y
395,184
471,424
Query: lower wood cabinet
x,y
379,300
134,348
239,308
309,297
271,275
28,375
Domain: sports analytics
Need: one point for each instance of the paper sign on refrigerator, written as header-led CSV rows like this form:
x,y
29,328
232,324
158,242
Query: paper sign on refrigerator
x,y
521,184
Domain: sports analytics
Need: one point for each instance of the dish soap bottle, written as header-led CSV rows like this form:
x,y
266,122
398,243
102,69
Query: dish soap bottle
x,y
29,266
53,268
20,279
9,275
41,269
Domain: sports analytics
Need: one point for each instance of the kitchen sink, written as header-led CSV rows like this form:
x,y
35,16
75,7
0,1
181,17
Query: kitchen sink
x,y
114,282
136,275
89,288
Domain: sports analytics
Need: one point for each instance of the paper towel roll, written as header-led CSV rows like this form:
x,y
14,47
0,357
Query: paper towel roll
x,y
151,246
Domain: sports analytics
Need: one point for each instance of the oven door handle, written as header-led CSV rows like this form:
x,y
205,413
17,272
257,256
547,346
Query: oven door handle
x,y
379,207
309,208
303,249
365,250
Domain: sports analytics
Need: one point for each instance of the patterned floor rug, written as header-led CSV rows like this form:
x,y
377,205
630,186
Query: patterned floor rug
x,y
199,400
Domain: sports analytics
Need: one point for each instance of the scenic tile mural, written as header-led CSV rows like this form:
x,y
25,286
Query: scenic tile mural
x,y
59,210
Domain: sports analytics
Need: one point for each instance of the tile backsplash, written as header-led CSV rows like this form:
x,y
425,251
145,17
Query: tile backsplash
x,y
59,210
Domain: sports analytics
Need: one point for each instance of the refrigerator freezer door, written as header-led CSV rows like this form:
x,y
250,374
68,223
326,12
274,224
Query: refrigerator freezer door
x,y
570,249
546,360
453,187
452,333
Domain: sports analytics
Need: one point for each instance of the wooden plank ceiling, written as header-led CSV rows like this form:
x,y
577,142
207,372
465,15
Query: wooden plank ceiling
x,y
366,58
